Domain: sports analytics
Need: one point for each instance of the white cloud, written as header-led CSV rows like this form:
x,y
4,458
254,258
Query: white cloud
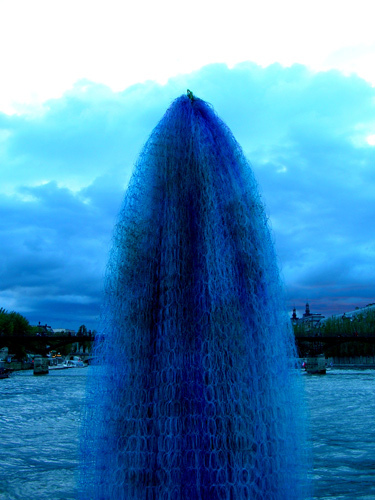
x,y
50,45
63,174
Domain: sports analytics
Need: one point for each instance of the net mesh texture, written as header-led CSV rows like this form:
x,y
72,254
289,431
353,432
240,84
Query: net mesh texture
x,y
194,395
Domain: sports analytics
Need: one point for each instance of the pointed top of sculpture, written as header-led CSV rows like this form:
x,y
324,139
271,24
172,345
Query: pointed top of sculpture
x,y
190,95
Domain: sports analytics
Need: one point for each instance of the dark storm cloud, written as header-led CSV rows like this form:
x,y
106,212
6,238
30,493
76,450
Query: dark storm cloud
x,y
53,256
63,174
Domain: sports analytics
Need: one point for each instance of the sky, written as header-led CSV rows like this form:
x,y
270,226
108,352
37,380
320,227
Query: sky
x,y
82,86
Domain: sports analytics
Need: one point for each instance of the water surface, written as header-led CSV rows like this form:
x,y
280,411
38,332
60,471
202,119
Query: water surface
x,y
40,418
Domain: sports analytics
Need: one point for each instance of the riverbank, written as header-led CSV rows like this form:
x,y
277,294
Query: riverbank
x,y
351,362
18,365
336,362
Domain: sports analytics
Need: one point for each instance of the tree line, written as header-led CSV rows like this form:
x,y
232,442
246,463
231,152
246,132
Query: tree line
x,y
13,324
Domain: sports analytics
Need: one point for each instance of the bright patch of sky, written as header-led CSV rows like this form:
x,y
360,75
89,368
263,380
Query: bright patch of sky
x,y
49,45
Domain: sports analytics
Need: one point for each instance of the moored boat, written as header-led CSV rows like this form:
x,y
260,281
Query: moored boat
x,y
4,373
75,362
56,363
40,365
316,365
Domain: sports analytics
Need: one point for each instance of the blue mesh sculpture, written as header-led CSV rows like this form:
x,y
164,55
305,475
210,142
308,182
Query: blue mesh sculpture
x,y
194,395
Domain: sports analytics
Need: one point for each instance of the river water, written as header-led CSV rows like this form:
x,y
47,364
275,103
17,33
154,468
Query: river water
x,y
40,418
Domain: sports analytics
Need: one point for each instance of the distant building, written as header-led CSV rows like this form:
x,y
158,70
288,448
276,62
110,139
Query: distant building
x,y
48,330
308,318
357,312
44,329
294,317
315,320
64,331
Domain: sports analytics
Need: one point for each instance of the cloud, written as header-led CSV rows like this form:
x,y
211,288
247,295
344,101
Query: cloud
x,y
55,245
64,170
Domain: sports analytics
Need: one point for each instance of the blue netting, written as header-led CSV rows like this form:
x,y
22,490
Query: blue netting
x,y
194,395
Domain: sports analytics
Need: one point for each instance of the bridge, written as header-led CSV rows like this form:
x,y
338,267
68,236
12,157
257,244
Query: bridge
x,y
39,343
319,343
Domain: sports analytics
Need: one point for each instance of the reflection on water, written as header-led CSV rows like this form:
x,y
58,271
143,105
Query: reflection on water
x,y
39,426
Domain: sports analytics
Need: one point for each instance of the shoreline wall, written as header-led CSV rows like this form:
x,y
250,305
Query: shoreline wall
x,y
359,361
18,366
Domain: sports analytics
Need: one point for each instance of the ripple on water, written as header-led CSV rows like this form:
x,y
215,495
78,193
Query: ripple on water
x,y
40,417
39,421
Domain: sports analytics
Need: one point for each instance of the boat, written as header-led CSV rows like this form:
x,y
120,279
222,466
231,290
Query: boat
x,y
4,373
57,367
76,362
40,365
316,365
56,363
